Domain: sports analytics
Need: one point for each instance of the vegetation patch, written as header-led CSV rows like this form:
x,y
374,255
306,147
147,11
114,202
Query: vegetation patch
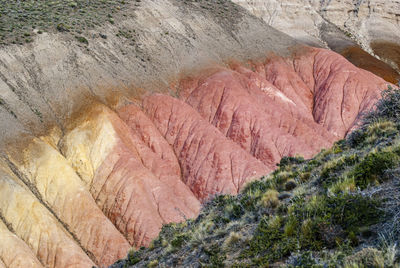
x,y
371,168
20,21
82,39
312,224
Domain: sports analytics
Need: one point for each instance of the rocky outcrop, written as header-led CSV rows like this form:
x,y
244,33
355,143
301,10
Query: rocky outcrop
x,y
375,25
82,193
134,187
368,20
239,108
102,144
298,18
365,21
113,177
351,28
210,163
239,103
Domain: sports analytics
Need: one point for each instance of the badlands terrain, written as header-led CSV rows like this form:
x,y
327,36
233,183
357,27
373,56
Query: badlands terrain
x,y
120,117
350,28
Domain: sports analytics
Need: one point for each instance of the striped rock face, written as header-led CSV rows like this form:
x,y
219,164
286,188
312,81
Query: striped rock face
x,y
114,176
367,33
366,21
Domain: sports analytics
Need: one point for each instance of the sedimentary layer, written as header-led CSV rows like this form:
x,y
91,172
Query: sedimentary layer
x,y
351,28
103,143
116,173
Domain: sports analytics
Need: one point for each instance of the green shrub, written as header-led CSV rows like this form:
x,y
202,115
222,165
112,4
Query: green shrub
x,y
133,257
329,172
216,256
291,227
82,39
305,259
304,176
356,138
290,185
380,129
344,184
373,132
387,108
179,240
290,160
371,168
62,28
269,242
152,264
323,218
351,211
337,148
283,176
255,186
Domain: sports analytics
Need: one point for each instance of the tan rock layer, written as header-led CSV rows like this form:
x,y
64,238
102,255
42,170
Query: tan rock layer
x,y
14,252
57,184
37,227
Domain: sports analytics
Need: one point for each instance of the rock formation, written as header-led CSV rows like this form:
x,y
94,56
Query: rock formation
x,y
18,254
351,28
365,21
115,177
102,144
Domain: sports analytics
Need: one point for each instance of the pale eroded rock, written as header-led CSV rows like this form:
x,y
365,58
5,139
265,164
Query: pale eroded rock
x,y
31,221
136,188
60,188
14,253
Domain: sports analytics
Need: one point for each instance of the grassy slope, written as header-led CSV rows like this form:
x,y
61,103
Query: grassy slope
x,y
338,209
21,20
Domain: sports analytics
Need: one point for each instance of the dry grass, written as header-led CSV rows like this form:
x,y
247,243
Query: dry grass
x,y
270,199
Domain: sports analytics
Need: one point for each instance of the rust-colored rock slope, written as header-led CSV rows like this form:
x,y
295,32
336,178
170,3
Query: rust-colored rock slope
x,y
115,176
